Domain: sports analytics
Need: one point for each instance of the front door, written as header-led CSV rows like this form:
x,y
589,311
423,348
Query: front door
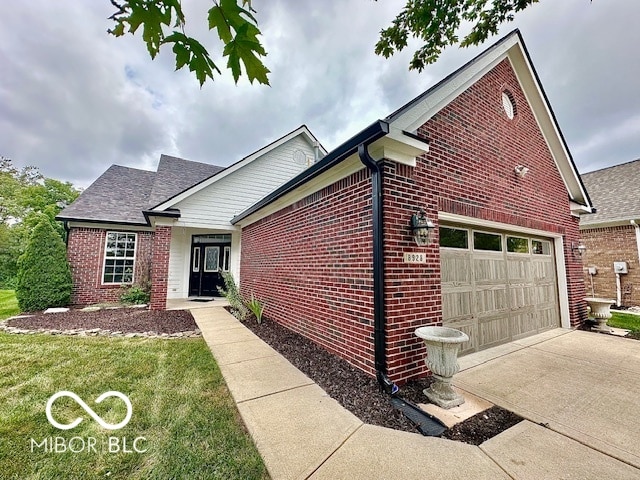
x,y
208,262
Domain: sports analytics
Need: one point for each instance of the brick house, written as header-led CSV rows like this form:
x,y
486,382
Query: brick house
x,y
334,256
612,234
172,226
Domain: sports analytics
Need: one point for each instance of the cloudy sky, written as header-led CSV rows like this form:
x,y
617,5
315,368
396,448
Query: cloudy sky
x,y
74,100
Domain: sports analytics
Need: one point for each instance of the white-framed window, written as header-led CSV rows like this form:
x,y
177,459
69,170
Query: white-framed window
x,y
196,260
119,258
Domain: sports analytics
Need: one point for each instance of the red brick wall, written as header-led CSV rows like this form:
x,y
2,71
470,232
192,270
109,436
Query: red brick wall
x,y
160,267
311,262
85,251
608,245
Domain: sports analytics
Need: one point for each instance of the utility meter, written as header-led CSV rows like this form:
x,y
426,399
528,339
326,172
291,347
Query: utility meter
x,y
592,270
620,267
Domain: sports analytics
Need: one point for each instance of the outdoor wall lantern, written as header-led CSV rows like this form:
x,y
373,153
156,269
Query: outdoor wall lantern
x,y
422,228
578,249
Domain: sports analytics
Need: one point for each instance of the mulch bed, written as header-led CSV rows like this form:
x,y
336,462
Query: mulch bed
x,y
352,388
125,320
359,393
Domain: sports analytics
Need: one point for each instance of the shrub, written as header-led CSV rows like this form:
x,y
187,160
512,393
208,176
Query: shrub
x,y
135,295
231,293
44,278
256,307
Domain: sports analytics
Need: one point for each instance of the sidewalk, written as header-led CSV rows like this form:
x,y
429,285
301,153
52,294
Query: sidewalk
x,y
303,433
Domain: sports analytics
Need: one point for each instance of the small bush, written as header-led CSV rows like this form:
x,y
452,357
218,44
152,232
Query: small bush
x,y
231,293
135,295
44,278
256,307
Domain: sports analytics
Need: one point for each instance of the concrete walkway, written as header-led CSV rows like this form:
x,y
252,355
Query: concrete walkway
x,y
303,433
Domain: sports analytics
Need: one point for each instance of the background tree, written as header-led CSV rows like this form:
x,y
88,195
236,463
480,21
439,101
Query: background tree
x,y
434,22
44,278
26,195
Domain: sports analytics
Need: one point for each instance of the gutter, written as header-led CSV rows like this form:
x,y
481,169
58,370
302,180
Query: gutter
x,y
379,319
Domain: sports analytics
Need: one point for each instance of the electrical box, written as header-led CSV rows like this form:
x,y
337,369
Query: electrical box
x,y
592,270
620,267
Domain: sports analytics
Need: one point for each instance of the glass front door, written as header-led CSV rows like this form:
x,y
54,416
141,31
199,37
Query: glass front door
x,y
208,262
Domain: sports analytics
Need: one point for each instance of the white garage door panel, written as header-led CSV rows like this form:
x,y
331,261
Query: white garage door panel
x,y
498,296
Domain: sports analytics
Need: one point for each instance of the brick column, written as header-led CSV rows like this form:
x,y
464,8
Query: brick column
x,y
160,267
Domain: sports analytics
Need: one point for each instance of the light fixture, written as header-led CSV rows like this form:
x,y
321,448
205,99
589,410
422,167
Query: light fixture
x,y
521,170
421,227
579,249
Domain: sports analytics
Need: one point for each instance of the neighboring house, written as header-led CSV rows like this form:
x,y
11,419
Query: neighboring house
x,y
332,253
612,234
172,226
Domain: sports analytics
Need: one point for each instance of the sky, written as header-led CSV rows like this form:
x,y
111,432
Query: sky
x,y
74,100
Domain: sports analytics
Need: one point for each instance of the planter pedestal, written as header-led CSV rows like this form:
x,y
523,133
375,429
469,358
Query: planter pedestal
x,y
600,311
443,344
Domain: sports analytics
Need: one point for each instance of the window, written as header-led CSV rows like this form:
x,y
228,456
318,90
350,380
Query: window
x,y
487,241
226,257
196,260
540,247
517,245
119,257
454,238
211,259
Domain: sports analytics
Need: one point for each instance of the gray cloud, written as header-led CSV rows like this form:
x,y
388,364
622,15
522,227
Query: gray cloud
x,y
73,100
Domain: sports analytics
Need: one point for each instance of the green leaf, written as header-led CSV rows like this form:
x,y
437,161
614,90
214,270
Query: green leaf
x,y
244,48
218,21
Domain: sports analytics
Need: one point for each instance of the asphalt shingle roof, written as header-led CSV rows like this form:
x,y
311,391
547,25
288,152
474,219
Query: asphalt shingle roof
x,y
121,194
615,193
175,175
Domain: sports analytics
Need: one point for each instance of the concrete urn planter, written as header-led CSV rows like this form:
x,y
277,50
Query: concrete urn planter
x,y
600,311
443,344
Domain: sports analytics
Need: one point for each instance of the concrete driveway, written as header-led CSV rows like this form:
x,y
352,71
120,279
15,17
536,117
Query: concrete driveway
x,y
581,385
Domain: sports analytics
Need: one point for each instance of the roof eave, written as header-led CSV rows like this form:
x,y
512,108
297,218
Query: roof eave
x,y
370,134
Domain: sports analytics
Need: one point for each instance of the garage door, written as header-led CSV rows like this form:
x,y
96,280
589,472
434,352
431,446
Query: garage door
x,y
497,286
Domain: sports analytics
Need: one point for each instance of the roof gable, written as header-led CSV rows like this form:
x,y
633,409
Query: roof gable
x,y
396,134
302,130
615,193
175,175
417,112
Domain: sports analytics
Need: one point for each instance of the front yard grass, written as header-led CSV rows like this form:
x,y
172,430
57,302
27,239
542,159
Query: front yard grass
x,y
8,304
627,321
181,406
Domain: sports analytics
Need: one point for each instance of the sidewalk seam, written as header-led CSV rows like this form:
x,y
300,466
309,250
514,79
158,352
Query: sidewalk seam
x,y
335,451
275,393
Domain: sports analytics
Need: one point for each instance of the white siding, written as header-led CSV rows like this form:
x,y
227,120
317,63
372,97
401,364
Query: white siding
x,y
211,209
217,204
178,263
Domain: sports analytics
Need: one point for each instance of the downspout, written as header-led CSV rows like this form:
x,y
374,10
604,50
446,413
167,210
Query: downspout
x,y
637,227
379,320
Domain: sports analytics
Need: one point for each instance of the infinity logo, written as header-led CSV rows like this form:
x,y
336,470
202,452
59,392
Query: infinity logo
x,y
88,409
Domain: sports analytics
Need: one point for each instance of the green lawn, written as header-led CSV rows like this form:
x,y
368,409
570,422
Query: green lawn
x,y
181,406
8,304
625,320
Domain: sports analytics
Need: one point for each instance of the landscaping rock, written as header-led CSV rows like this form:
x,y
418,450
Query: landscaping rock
x,y
90,309
56,310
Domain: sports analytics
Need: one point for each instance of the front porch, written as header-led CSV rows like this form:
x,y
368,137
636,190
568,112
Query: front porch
x,y
191,303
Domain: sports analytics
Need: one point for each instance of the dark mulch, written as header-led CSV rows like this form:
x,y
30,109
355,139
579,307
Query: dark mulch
x,y
126,320
359,393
